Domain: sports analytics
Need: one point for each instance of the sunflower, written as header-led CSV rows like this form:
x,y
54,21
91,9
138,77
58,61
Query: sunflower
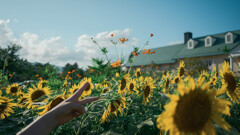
x,y
106,88
132,86
6,107
176,79
88,90
57,100
193,111
114,107
181,69
123,85
74,88
228,79
65,83
203,76
148,86
22,99
13,89
167,83
37,94
43,82
138,72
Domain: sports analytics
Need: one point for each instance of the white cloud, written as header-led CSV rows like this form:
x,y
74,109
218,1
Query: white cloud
x,y
53,50
5,33
175,42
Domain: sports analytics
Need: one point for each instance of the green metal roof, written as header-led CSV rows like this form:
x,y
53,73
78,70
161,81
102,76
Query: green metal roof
x,y
169,54
163,55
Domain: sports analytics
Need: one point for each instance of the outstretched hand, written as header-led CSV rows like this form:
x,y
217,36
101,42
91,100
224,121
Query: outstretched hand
x,y
60,114
71,107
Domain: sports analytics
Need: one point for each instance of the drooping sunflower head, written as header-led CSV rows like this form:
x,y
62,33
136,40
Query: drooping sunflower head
x,y
113,108
229,80
37,94
166,85
13,89
57,100
181,70
6,107
22,100
193,111
65,83
147,87
43,83
123,84
138,72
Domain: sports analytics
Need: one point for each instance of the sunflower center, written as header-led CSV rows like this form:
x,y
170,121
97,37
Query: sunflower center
x,y
123,84
176,80
131,86
55,102
181,72
167,83
105,90
138,73
88,88
231,82
3,106
37,94
147,91
14,89
193,111
114,107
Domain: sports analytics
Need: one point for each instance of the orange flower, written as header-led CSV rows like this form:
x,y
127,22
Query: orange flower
x,y
112,34
73,70
61,72
69,72
123,40
37,75
116,64
70,78
172,65
191,72
147,51
141,65
135,54
152,65
62,78
10,75
92,70
79,75
151,34
40,78
4,87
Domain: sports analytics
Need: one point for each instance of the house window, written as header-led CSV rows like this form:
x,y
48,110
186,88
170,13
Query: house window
x,y
229,38
208,41
190,44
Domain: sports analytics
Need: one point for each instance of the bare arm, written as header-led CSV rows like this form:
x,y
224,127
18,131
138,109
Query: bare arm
x,y
59,115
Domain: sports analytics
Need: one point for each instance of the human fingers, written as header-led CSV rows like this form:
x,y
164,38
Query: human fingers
x,y
78,108
88,100
79,92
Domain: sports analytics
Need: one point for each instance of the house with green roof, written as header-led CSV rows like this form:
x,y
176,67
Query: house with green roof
x,y
213,49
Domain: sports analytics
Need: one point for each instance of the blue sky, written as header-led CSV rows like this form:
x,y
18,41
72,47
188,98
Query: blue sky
x,y
63,24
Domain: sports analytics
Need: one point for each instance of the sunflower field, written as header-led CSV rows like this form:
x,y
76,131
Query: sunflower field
x,y
133,101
